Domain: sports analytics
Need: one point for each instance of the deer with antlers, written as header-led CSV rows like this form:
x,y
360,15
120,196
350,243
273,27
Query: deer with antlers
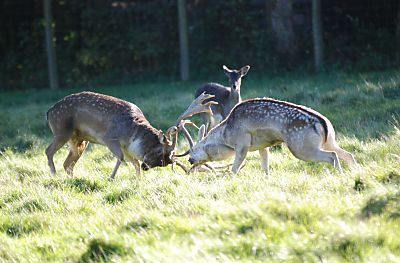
x,y
257,124
120,125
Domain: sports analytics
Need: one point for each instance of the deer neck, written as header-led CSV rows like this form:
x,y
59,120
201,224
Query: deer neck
x,y
142,141
234,97
215,145
215,135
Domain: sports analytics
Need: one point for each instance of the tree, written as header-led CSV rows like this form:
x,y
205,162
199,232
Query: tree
x,y
282,25
317,35
50,49
183,40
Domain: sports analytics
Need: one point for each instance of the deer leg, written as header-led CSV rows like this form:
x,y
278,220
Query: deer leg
x,y
307,147
135,163
342,154
345,156
318,155
115,148
58,142
77,147
112,176
137,167
241,152
331,145
264,153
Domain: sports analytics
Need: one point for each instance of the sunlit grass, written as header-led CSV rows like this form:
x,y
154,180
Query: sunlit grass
x,y
300,212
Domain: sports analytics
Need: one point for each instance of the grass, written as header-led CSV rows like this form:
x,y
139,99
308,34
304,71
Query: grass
x,y
301,212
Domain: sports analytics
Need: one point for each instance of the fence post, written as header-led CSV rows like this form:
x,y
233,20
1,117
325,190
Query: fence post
x,y
50,49
183,40
317,35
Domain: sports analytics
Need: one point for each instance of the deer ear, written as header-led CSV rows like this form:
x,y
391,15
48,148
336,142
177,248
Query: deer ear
x,y
202,132
226,69
161,137
244,70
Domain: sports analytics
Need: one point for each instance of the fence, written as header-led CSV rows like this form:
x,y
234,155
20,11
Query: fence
x,y
130,40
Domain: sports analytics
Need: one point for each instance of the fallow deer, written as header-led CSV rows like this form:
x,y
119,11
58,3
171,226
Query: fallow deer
x,y
226,97
120,125
258,124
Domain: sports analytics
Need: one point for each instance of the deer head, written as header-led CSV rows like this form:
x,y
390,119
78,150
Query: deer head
x,y
198,148
163,154
235,76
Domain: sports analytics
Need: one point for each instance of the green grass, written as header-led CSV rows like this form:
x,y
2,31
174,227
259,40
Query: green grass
x,y
301,212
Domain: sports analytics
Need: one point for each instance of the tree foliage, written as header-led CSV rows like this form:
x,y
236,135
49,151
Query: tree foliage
x,y
103,41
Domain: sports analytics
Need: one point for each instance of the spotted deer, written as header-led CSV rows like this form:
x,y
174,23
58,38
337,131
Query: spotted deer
x,y
257,124
120,125
226,97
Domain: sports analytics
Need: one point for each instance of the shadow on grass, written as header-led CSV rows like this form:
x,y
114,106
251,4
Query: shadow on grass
x,y
118,196
16,144
138,225
101,251
391,177
19,229
360,184
31,206
9,199
83,185
387,205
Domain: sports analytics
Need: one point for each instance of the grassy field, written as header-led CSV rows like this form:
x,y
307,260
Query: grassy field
x,y
301,212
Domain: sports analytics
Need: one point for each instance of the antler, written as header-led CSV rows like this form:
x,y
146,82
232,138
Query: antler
x,y
187,135
196,107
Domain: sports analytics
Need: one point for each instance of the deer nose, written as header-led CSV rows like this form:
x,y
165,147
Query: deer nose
x,y
191,160
145,167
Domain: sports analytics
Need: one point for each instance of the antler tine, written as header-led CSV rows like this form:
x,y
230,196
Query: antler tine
x,y
181,165
191,123
188,137
197,106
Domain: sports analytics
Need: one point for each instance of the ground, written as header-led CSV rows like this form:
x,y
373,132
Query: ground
x,y
300,212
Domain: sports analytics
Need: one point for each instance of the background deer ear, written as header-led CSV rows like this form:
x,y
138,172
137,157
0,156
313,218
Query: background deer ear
x,y
244,70
226,69
202,132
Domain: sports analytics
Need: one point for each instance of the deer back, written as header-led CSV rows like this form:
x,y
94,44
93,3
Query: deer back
x,y
272,120
94,116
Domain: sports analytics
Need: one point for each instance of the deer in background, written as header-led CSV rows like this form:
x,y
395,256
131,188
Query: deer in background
x,y
120,125
226,97
257,124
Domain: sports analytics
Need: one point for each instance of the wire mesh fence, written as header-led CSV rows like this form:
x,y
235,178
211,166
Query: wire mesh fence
x,y
111,41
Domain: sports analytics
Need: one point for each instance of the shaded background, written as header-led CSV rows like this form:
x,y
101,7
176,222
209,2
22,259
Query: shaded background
x,y
101,42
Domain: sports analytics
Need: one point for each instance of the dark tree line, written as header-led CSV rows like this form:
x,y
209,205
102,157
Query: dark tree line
x,y
104,41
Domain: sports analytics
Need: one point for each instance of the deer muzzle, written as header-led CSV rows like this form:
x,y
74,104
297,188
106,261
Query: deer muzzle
x,y
145,167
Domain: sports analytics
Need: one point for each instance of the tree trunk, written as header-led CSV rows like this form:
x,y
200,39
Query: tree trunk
x,y
183,40
282,25
317,35
50,49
